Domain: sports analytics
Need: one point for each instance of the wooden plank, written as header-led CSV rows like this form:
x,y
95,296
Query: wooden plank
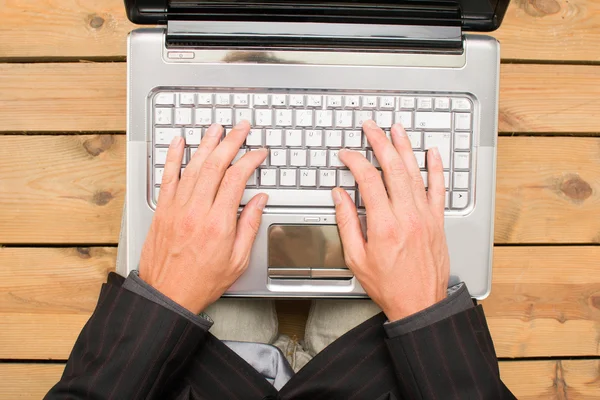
x,y
70,189
562,30
91,97
528,380
61,189
544,302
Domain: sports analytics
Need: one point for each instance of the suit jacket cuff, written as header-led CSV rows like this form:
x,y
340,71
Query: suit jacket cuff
x,y
136,285
458,300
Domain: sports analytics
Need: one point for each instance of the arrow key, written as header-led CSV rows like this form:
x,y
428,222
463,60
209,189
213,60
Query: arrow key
x,y
460,200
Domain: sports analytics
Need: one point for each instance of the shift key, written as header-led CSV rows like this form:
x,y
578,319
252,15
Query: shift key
x,y
441,140
433,120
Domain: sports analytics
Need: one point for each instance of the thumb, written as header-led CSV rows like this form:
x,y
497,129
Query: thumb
x,y
247,226
349,227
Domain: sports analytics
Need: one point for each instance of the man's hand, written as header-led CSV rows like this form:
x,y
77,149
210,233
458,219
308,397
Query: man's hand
x,y
404,265
196,247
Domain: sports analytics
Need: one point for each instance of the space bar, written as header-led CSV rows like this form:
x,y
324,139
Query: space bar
x,y
294,198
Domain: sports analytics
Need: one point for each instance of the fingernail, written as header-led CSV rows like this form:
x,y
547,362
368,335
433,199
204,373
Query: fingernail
x,y
176,140
399,130
370,124
214,130
435,152
262,201
337,196
241,124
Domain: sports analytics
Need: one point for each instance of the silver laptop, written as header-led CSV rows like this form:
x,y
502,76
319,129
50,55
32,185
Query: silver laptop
x,y
306,74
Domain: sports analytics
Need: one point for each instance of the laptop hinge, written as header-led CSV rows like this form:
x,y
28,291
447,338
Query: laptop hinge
x,y
314,36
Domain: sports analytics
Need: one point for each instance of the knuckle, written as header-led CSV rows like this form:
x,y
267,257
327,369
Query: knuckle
x,y
370,176
388,231
215,227
415,224
212,165
234,175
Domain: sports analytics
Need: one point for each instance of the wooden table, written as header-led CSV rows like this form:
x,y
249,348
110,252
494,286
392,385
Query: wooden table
x,y
62,181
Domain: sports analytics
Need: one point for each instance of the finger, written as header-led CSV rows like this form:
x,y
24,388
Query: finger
x,y
232,187
353,241
170,178
369,182
214,167
394,171
208,144
404,149
436,193
247,229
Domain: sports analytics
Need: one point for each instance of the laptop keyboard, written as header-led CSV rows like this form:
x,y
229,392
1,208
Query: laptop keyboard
x,y
304,132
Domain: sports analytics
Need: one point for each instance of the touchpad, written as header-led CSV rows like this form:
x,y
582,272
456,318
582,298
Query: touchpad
x,y
306,251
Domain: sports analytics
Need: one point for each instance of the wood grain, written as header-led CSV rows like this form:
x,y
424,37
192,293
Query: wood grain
x,y
91,97
528,380
564,30
70,189
544,302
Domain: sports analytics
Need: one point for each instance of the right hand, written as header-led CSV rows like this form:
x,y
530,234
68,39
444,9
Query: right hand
x,y
404,264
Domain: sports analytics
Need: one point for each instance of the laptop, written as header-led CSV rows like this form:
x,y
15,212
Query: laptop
x,y
307,74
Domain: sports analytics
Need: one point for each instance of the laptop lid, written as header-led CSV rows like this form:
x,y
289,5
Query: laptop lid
x,y
469,15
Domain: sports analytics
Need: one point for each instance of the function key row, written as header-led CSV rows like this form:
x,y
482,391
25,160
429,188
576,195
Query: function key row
x,y
314,100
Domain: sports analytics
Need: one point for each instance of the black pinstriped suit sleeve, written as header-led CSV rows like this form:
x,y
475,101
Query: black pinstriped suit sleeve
x,y
131,348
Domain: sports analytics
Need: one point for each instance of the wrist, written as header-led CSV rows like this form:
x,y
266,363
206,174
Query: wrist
x,y
400,310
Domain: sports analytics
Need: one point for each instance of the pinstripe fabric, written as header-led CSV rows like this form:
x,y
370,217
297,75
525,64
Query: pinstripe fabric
x,y
132,348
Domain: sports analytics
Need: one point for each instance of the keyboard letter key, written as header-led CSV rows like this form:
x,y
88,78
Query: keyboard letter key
x,y
313,138
268,177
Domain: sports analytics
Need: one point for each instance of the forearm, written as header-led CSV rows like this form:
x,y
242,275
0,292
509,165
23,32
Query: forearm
x,y
130,348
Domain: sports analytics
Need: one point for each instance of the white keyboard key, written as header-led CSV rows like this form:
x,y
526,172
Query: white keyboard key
x,y
352,101
442,103
345,178
460,180
334,159
160,155
424,103
461,105
343,119
283,117
193,151
183,116
287,177
318,158
158,174
384,119
293,137
369,101
298,158
447,200
296,100
156,192
187,99
240,99
352,139
313,138
224,116
252,180
165,135
242,114
334,101
261,100
433,120
424,176
462,122
308,177
268,177
420,156
387,102
254,138
163,116
205,99
462,160
238,156
333,138
263,117
304,117
462,141
405,118
415,139
407,103
278,100
441,140
192,136
274,137
314,100
372,159
223,99
447,179
361,117
203,116
165,98
278,157
324,118
295,197
327,178
460,200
